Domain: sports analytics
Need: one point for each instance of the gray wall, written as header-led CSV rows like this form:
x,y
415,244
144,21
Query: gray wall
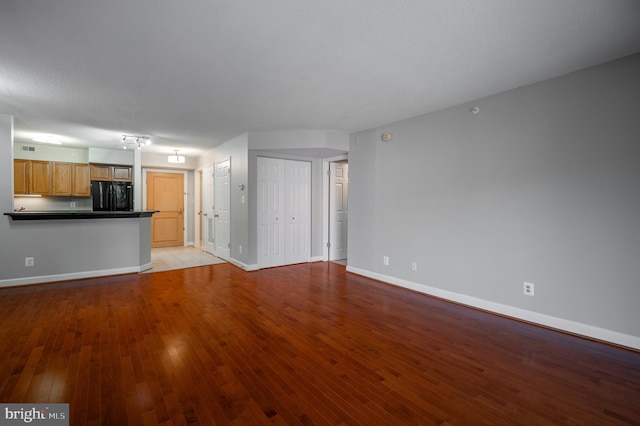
x,y
236,149
63,249
542,185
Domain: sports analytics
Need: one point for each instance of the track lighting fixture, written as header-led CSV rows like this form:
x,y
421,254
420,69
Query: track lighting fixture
x,y
139,141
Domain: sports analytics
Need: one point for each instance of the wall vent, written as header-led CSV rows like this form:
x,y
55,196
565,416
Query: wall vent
x,y
28,148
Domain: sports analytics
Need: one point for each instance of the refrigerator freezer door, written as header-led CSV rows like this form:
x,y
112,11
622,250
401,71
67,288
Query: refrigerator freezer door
x,y
123,196
101,194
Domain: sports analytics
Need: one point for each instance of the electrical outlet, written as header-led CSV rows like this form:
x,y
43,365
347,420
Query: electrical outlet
x,y
385,260
73,204
528,289
414,266
240,249
29,261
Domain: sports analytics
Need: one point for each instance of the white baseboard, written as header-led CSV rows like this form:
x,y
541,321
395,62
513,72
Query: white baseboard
x,y
510,311
316,259
145,267
72,276
243,265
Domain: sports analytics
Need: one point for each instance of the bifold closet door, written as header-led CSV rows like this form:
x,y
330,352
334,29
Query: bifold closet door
x,y
298,210
284,212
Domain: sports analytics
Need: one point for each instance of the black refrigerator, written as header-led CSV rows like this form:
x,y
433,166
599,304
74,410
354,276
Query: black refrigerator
x,y
112,196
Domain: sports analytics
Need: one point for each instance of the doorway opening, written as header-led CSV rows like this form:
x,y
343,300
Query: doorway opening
x,y
165,193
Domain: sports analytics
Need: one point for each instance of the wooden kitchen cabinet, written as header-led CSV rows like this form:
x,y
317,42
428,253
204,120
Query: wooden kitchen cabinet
x,y
31,177
100,172
122,173
21,172
62,175
111,173
71,179
81,180
40,177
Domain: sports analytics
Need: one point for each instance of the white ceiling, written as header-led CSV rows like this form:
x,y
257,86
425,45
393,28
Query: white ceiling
x,y
195,74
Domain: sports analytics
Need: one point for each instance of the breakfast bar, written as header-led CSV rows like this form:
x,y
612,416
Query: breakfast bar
x,y
70,244
77,214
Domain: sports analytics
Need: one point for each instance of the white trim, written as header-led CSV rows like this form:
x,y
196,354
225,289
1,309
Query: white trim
x,y
197,204
325,202
510,311
72,276
317,259
325,210
215,205
242,265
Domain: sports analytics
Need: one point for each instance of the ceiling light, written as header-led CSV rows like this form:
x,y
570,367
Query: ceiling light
x,y
176,159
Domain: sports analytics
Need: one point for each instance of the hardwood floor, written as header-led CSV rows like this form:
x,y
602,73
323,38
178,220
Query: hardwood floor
x,y
304,344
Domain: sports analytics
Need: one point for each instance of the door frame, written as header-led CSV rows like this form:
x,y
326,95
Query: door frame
x,y
185,198
216,193
197,207
325,202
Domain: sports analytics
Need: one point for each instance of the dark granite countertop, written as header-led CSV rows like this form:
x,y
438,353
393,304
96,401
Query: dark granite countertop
x,y
77,214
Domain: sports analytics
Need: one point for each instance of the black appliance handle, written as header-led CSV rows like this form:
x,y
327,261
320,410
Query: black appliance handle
x,y
112,197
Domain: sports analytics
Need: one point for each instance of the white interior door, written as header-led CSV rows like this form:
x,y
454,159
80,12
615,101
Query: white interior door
x,y
284,212
338,210
298,211
208,227
222,210
271,214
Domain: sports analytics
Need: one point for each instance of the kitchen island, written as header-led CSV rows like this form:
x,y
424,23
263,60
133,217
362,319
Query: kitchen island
x,y
73,244
76,214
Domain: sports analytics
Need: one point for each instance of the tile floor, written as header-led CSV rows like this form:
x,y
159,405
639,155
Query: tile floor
x,y
168,258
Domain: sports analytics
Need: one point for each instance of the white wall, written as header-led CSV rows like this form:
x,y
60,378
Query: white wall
x,y
542,185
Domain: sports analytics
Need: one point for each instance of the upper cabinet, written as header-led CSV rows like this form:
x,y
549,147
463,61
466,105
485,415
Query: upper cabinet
x,y
81,180
40,177
100,172
62,173
65,172
71,179
32,177
111,173
122,173
21,172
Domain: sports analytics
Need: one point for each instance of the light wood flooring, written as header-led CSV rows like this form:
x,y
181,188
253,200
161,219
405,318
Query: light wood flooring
x,y
303,344
169,258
